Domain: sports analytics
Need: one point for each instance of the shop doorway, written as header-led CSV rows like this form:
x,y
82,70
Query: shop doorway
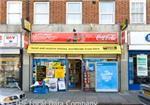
x,y
74,74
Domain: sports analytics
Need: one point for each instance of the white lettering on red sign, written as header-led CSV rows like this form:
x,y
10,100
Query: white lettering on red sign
x,y
106,37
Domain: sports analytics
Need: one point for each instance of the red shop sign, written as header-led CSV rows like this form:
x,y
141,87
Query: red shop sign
x,y
122,37
26,41
81,37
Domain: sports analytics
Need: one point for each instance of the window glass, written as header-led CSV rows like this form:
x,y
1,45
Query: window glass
x,y
41,8
74,7
140,72
9,67
74,13
41,13
14,18
107,12
106,19
14,12
41,19
14,8
107,7
137,11
74,18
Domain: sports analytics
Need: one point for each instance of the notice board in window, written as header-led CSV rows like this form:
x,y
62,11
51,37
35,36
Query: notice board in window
x,y
40,73
107,77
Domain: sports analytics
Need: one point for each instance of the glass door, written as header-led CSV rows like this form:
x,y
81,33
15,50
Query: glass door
x,y
75,81
9,68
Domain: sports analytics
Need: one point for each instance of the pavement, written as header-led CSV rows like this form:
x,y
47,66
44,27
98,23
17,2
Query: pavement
x,y
83,98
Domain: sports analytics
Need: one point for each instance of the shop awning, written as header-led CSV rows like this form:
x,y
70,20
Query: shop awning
x,y
75,48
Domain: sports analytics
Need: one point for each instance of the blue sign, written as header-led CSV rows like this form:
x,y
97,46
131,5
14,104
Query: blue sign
x,y
147,37
107,76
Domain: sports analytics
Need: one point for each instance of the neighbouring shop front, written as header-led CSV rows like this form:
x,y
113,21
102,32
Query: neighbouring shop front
x,y
138,59
10,59
86,61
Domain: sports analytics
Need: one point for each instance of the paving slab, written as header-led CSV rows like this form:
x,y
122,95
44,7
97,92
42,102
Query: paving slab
x,y
84,98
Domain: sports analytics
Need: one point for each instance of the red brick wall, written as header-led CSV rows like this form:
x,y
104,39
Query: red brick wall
x,y
58,11
24,3
31,6
148,11
122,10
0,10
90,11
3,11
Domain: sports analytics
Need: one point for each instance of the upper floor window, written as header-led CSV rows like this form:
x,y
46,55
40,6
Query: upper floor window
x,y
41,13
74,13
107,12
14,12
138,11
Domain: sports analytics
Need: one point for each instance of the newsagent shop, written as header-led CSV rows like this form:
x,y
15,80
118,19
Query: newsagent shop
x,y
85,61
10,59
138,59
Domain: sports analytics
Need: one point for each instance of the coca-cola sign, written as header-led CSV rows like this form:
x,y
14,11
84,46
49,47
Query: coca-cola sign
x,y
81,37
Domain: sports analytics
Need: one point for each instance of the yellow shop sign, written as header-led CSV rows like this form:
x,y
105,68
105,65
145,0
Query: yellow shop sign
x,y
75,48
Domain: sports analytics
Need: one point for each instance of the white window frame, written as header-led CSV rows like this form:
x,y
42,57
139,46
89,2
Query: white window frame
x,y
107,13
144,16
41,13
10,2
67,11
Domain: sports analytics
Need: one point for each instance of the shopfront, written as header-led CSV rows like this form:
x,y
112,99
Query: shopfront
x,y
138,59
72,64
10,58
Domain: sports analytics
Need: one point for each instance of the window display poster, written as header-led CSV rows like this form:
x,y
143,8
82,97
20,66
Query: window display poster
x,y
142,65
107,77
59,73
52,84
131,72
91,66
61,85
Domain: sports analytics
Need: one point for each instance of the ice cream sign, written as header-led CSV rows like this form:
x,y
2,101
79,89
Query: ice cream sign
x,y
9,40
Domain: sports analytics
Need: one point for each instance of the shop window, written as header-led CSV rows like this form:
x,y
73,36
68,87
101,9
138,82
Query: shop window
x,y
14,12
74,13
41,13
138,11
9,68
107,12
140,69
52,71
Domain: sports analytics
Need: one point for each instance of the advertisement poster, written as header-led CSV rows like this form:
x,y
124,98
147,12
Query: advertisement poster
x,y
61,85
142,69
82,37
59,73
107,77
52,84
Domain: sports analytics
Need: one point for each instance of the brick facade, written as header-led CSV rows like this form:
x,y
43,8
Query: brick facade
x,y
148,11
90,11
3,11
58,12
122,10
